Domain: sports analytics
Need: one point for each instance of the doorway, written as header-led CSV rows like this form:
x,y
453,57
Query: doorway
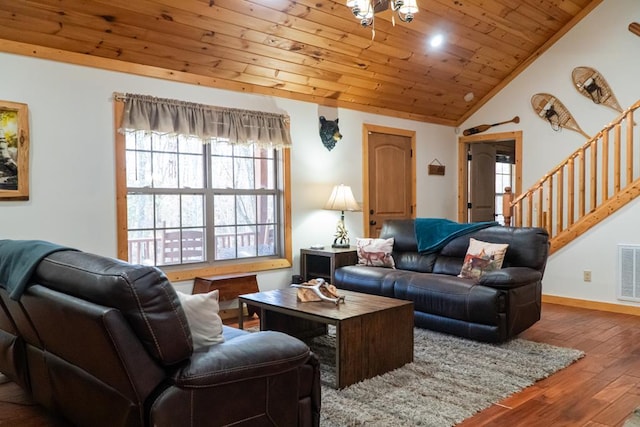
x,y
495,159
389,176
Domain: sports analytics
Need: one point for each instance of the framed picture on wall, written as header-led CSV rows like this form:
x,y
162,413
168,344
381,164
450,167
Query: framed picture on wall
x,y
14,151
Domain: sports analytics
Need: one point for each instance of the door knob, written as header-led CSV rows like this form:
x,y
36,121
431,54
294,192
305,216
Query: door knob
x,y
372,222
371,212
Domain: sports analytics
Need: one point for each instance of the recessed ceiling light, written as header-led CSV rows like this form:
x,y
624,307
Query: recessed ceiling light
x,y
469,97
436,40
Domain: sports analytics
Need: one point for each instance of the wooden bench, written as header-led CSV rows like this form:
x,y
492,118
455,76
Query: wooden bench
x,y
229,287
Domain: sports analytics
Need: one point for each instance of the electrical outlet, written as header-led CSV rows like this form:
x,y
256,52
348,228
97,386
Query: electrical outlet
x,y
586,275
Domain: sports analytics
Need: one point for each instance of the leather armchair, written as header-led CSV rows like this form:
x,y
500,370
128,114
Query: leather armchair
x,y
104,343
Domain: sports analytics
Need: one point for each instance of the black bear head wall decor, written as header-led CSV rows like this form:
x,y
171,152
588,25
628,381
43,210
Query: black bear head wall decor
x,y
329,132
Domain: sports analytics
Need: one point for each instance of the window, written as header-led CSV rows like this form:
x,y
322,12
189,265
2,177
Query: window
x,y
504,178
211,208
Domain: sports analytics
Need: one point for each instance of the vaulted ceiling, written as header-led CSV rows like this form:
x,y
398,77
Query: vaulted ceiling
x,y
309,50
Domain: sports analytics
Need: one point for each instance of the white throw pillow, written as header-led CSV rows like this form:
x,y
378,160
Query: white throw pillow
x,y
204,321
375,252
482,257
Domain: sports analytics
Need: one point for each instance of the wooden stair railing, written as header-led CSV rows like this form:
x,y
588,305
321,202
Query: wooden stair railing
x,y
592,183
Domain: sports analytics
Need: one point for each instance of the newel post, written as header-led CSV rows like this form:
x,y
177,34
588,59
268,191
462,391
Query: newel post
x,y
507,210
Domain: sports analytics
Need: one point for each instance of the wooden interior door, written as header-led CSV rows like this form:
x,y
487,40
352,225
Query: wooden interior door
x,y
391,176
514,141
482,182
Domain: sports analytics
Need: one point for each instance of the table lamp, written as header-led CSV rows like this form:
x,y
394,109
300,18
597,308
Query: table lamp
x,y
342,199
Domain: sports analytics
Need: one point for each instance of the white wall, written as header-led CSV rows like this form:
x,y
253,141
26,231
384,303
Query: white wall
x,y
72,184
72,188
601,41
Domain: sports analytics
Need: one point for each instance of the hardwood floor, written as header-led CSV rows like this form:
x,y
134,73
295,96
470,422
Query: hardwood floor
x,y
601,389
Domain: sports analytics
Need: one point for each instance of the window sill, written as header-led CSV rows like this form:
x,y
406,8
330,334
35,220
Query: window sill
x,y
235,268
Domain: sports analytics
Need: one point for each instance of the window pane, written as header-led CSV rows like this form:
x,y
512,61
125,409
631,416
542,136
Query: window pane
x,y
222,172
499,205
165,170
139,172
247,242
169,248
224,212
167,211
264,171
138,141
243,178
192,245
266,241
266,209
264,152
221,149
191,145
246,209
142,247
506,182
225,243
166,143
181,246
193,210
243,150
191,171
140,211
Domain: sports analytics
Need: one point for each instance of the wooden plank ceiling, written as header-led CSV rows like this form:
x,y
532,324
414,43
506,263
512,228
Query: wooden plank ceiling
x,y
310,50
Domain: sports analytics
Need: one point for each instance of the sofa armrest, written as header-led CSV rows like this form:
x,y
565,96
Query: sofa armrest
x,y
510,278
261,378
254,355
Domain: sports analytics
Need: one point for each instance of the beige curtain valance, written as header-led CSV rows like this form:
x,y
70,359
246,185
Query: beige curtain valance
x,y
168,116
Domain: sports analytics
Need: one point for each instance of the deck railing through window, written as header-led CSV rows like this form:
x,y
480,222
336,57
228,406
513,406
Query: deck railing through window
x,y
144,250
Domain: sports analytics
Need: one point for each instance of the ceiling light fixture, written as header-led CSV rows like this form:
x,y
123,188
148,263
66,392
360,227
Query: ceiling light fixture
x,y
365,10
436,40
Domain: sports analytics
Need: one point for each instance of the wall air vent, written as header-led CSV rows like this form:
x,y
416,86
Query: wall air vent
x,y
629,272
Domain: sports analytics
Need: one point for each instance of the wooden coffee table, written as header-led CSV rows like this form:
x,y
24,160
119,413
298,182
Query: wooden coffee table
x,y
374,334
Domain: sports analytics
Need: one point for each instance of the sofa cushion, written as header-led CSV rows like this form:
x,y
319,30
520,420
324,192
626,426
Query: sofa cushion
x,y
205,323
482,257
242,356
451,297
370,280
375,252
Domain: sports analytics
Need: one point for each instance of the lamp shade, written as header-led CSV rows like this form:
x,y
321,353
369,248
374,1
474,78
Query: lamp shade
x,y
342,199
408,6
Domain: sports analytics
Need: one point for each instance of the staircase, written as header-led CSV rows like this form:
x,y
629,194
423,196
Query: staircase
x,y
588,186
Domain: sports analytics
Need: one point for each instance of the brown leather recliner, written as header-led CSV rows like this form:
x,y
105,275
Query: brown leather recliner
x,y
105,343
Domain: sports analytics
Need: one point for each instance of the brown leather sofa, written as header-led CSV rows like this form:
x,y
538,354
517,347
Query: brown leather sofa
x,y
494,308
104,343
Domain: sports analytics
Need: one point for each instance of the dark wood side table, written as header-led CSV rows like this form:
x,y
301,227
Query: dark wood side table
x,y
322,263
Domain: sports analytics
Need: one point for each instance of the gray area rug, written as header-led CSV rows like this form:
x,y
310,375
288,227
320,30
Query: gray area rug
x,y
450,380
633,420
